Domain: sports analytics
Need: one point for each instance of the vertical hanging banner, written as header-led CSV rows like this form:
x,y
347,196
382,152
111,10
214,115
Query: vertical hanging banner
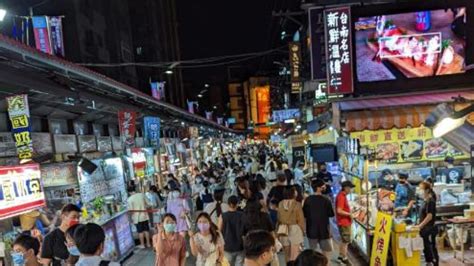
x,y
41,31
19,114
295,67
191,106
318,42
339,50
158,90
220,120
56,33
383,227
209,115
151,129
127,126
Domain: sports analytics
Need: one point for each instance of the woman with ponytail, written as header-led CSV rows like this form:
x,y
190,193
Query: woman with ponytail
x,y
428,230
217,207
207,245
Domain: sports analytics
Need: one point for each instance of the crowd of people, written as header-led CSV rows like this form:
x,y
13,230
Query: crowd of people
x,y
239,208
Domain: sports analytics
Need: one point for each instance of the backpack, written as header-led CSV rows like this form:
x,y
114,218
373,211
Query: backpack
x,y
207,197
104,263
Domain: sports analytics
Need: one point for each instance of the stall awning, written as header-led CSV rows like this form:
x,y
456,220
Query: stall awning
x,y
426,98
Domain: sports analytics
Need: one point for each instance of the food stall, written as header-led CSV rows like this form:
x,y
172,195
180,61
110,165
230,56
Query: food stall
x,y
21,192
103,199
414,151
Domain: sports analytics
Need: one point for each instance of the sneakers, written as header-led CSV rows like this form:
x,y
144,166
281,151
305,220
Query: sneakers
x,y
141,247
342,260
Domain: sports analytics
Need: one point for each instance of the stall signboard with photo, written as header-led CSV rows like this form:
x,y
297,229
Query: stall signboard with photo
x,y
59,174
104,143
380,244
20,190
406,145
150,161
42,143
7,145
87,143
139,162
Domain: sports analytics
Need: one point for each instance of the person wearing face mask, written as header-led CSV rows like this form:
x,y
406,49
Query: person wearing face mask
x,y
25,250
207,245
71,246
170,246
326,176
179,208
428,230
405,198
54,250
90,239
259,248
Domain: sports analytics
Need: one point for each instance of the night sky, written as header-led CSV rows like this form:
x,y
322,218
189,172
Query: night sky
x,y
215,28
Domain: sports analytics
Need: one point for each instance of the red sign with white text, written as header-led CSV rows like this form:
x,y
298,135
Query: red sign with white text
x,y
339,50
20,190
127,126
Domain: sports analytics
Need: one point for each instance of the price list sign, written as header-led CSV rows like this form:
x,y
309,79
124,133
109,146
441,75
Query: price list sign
x,y
339,50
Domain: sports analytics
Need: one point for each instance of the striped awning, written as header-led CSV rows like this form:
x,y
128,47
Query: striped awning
x,y
388,118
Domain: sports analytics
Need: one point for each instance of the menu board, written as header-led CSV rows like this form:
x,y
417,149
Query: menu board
x,y
92,185
114,175
406,145
124,234
139,162
59,174
107,179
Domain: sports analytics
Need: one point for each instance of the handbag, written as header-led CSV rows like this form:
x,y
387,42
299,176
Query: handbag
x,y
282,230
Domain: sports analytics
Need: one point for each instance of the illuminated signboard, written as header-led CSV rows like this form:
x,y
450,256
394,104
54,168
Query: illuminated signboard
x,y
295,67
338,50
20,190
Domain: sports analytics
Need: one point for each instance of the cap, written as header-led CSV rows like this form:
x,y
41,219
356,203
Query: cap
x,y
317,183
402,175
347,184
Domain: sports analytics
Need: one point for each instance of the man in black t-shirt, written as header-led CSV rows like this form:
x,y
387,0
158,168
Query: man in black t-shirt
x,y
54,249
317,210
326,176
230,224
276,192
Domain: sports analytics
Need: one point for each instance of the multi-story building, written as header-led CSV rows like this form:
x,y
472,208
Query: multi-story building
x,y
116,31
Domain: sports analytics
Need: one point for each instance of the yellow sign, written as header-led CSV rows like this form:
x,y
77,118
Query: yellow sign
x,y
406,145
297,140
383,228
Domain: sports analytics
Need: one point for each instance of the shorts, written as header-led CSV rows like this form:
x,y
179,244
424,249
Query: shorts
x,y
324,244
142,227
345,232
295,236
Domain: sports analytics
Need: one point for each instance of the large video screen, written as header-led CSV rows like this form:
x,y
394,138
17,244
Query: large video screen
x,y
410,45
